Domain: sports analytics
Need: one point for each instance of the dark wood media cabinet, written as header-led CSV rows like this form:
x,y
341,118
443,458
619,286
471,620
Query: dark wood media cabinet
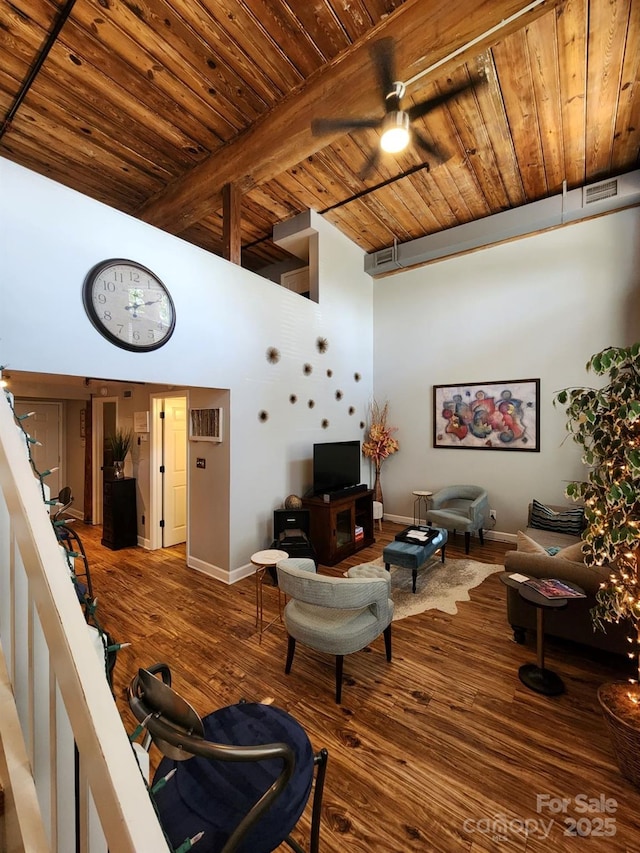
x,y
333,525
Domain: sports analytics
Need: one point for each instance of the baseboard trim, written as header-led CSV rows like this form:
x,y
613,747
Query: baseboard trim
x,y
219,574
241,572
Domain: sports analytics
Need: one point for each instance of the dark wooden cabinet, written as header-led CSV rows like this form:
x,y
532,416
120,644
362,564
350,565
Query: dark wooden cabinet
x,y
119,517
333,525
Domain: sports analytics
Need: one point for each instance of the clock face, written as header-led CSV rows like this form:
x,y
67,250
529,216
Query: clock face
x,y
129,305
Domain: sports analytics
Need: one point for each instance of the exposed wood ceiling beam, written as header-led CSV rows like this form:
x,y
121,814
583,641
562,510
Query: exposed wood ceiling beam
x,y
231,224
344,87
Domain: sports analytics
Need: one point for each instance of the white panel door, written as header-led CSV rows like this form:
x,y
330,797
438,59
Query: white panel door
x,y
45,426
175,471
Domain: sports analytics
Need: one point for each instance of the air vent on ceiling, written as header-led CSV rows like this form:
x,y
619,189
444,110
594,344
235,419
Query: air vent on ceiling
x,y
382,260
598,192
385,256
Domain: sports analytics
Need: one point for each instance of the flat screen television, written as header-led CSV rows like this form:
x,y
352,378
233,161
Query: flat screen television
x,y
336,465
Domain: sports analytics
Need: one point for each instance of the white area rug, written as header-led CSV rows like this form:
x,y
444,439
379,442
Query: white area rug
x,y
438,588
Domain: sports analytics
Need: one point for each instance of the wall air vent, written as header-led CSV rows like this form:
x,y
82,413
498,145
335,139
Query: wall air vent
x,y
598,192
384,256
382,260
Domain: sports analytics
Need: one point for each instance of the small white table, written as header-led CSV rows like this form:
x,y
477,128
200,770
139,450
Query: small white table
x,y
420,497
264,560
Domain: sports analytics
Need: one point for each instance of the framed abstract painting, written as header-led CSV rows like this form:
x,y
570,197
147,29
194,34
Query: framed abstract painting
x,y
487,415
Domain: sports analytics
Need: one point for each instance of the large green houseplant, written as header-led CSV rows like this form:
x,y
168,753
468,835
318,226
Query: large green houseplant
x,y
605,422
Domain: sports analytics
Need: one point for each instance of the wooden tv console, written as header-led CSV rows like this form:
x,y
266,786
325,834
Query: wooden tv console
x,y
333,525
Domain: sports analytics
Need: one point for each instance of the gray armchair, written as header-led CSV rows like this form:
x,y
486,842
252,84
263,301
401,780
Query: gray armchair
x,y
464,508
333,614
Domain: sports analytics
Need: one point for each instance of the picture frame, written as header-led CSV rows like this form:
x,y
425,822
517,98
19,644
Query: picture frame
x,y
206,425
497,415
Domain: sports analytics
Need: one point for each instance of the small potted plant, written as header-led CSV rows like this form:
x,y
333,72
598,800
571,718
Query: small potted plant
x,y
605,422
380,443
120,443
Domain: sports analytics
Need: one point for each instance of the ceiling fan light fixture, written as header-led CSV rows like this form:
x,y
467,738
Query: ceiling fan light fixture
x,y
395,133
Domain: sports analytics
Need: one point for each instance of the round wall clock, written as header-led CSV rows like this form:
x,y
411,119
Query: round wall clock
x,y
129,305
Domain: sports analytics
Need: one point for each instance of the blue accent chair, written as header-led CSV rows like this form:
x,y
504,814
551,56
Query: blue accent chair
x,y
464,508
243,774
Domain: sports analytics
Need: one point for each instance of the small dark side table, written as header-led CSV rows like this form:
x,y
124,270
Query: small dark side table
x,y
535,676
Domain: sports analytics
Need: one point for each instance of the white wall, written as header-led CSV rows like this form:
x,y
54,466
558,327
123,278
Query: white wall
x,y
533,308
537,307
227,318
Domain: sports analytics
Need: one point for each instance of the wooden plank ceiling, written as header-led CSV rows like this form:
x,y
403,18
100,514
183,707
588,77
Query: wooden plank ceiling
x,y
154,106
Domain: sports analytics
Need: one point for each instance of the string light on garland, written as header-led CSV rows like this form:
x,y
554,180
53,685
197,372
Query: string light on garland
x,y
159,785
189,842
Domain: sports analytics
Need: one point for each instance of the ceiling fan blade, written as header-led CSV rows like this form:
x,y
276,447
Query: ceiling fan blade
x,y
424,107
430,149
383,55
329,125
370,165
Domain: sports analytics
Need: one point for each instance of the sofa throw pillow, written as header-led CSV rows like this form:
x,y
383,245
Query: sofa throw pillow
x,y
572,552
569,521
529,545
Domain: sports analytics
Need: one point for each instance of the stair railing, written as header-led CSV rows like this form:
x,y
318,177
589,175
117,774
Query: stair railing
x,y
71,781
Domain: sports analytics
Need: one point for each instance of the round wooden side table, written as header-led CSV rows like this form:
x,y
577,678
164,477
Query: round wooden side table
x,y
536,676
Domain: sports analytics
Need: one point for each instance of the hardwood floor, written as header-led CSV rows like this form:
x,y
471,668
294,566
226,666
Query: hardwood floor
x,y
443,749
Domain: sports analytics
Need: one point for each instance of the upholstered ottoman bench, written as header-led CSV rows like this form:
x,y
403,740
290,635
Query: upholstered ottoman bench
x,y
366,570
414,557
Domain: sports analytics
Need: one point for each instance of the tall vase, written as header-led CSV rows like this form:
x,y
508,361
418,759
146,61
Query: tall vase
x,y
118,469
377,488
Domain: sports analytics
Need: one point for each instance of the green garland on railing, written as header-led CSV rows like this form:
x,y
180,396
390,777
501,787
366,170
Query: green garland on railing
x,y
89,605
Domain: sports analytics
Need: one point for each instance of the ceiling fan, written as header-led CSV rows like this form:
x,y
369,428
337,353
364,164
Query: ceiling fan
x,y
396,123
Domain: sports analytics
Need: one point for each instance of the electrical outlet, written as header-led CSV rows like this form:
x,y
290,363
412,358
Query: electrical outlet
x,y
492,514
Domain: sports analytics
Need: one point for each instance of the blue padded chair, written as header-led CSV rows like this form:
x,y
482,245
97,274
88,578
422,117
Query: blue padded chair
x,y
334,615
248,777
464,508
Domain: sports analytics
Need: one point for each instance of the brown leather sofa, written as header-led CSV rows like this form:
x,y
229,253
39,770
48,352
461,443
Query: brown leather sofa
x,y
574,621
